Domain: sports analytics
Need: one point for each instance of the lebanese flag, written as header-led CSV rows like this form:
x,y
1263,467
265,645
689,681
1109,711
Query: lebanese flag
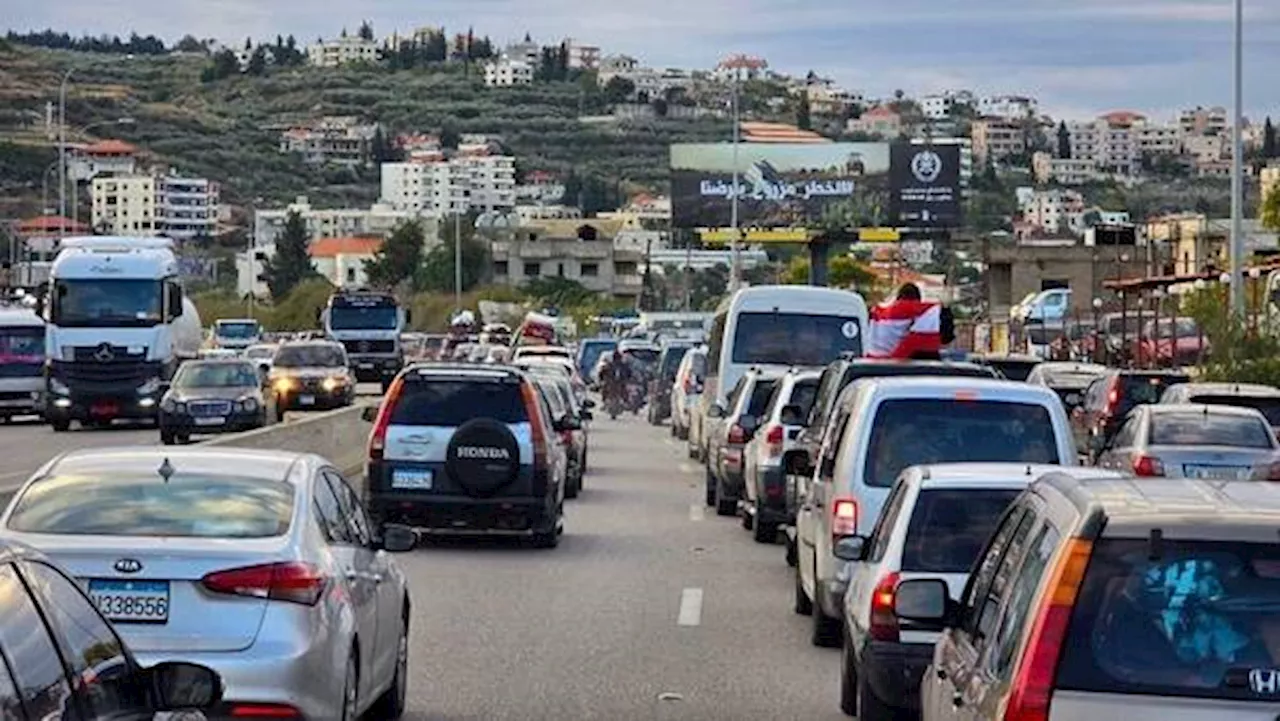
x,y
902,328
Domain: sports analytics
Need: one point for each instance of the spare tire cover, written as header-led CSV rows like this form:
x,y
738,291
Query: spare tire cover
x,y
482,457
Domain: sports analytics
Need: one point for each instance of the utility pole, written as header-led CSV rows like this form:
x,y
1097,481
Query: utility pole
x,y
62,151
737,64
1237,170
457,261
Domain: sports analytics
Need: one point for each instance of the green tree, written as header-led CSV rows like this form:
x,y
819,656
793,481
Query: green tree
x,y
366,30
1269,211
804,119
223,65
1064,141
291,263
189,44
618,90
557,292
399,259
257,65
450,137
383,150
1269,149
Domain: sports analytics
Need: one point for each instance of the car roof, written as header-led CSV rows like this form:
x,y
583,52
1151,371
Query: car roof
x,y
1007,358
1245,390
213,460
944,473
1204,408
942,386
1051,367
1178,507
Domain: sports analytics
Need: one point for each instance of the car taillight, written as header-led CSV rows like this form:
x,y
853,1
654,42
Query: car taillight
x,y
263,711
773,440
538,434
1147,466
844,517
737,435
292,581
1032,688
378,437
1113,397
884,622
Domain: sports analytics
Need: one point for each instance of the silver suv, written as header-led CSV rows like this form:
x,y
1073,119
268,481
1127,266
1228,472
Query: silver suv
x,y
468,451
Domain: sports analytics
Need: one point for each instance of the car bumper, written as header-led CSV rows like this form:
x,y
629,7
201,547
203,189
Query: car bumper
x,y
296,400
894,671
466,516
17,403
76,407
368,370
234,423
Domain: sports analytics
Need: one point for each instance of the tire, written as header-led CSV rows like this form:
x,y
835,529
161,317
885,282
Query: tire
x,y
482,474
547,540
764,532
803,605
792,554
848,681
573,487
61,426
827,631
168,438
870,706
351,691
725,506
391,704
748,521
710,481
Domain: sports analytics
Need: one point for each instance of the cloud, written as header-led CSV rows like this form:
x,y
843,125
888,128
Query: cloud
x,y
1086,55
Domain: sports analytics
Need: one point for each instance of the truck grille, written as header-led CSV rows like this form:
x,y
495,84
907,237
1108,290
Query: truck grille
x,y
369,346
113,374
21,370
209,408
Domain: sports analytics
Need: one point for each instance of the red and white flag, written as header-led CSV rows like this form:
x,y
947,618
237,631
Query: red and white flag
x,y
903,328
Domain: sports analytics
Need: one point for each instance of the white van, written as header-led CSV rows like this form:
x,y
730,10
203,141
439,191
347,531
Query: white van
x,y
778,327
879,427
22,345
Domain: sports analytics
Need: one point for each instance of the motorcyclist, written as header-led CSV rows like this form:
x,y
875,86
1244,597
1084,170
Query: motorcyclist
x,y
615,376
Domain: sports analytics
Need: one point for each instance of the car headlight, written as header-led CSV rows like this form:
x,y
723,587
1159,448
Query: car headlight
x,y
58,387
169,405
333,383
284,383
150,387
249,404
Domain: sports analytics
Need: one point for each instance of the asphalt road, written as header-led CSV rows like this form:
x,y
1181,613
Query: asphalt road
x,y
651,609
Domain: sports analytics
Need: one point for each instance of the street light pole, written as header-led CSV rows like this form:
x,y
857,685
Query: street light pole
x,y
62,151
735,268
1237,170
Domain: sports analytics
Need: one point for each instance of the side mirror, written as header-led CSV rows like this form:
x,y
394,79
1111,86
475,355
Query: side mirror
x,y
790,415
567,423
369,414
398,539
175,300
924,601
851,548
716,410
588,403
697,387
181,686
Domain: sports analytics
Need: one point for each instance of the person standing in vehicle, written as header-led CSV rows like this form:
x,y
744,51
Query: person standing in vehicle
x,y
909,327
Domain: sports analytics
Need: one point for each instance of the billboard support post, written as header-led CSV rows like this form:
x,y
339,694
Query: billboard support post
x,y
735,267
818,251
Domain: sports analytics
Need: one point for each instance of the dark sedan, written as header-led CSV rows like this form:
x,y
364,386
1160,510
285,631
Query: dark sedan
x,y
212,396
311,375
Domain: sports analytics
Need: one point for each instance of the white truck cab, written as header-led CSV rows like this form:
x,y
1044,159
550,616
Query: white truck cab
x,y
21,362
119,324
236,333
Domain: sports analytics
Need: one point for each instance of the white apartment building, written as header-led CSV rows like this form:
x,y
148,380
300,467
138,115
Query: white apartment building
x,y
1204,121
582,56
105,157
1066,171
1008,106
378,220
341,51
1111,142
160,204
526,50
465,182
1158,139
505,72
343,140
995,139
937,107
1053,211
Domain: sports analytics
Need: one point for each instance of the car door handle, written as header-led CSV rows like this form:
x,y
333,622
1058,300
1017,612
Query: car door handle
x,y
957,700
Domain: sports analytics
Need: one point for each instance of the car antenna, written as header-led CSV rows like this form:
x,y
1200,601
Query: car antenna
x,y
165,470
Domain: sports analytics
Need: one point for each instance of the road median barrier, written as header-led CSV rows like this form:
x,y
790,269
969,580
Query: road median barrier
x,y
339,436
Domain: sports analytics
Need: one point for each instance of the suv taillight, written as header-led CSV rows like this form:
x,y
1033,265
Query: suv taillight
x,y
1032,687
1147,466
773,440
1113,398
291,581
538,434
884,622
844,518
378,438
737,435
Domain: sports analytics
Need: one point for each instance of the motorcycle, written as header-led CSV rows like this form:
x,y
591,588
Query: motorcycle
x,y
613,405
635,398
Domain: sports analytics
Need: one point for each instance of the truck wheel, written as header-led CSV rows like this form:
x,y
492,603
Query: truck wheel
x,y
168,438
61,426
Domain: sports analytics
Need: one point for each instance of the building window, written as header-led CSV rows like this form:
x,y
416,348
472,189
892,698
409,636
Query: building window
x,y
351,275
560,270
590,270
533,270
625,268
500,267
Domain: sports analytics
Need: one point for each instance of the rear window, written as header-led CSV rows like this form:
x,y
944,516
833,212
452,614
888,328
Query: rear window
x,y
1207,429
1189,618
794,338
1014,370
803,395
671,361
1270,407
892,370
647,356
915,431
310,356
949,528
760,397
1068,379
186,506
1139,390
454,402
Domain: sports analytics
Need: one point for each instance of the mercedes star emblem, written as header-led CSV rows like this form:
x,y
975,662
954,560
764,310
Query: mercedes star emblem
x,y
128,565
364,346
104,353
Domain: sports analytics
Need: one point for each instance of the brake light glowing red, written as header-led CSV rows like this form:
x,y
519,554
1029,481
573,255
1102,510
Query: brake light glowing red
x,y
1148,467
264,711
538,434
291,581
773,440
884,622
844,517
1032,688
378,438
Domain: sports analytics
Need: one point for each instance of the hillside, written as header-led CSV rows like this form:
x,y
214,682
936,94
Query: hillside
x,y
222,129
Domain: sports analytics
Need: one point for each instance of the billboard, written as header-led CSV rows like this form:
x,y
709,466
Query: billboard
x,y
924,186
780,185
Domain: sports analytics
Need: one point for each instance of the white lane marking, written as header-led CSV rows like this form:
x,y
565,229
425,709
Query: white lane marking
x,y
690,607
697,512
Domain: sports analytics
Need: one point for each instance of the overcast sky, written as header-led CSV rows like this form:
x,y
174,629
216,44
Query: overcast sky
x,y
1080,57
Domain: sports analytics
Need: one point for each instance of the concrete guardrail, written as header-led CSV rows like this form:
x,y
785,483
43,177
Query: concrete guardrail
x,y
340,436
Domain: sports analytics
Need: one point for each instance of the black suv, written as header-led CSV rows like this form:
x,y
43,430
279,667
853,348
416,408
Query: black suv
x,y
466,450
664,380
835,378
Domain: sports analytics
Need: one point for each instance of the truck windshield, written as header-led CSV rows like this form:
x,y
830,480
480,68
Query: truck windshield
x,y
101,303
375,318
21,344
237,331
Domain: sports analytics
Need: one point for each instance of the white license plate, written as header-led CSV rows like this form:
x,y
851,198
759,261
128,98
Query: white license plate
x,y
1216,473
131,601
307,400
365,366
412,480
210,421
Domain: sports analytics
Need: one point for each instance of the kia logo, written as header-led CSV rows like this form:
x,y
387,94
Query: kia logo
x,y
128,565
104,353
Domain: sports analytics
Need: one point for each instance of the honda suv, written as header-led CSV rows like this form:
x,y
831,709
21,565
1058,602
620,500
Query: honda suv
x,y
467,451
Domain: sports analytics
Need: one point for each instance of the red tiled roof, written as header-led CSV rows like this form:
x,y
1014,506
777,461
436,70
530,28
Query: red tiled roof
x,y
110,147
778,133
880,111
332,247
1123,117
51,224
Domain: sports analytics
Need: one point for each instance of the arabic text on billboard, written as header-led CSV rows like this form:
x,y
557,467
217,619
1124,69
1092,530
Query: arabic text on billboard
x,y
925,186
779,185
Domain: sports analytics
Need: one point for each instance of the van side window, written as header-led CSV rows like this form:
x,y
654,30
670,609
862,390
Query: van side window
x,y
714,340
989,612
980,581
832,441
826,389
1025,585
888,519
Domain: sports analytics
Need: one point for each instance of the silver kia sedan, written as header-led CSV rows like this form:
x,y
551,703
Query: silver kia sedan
x,y
1200,441
258,564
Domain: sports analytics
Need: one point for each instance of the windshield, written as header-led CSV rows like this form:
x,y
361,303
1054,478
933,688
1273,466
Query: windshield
x,y
259,352
1269,406
1014,370
1208,429
216,375
237,331
1128,324
184,506
102,303
309,356
911,432
359,318
1192,619
21,344
795,338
